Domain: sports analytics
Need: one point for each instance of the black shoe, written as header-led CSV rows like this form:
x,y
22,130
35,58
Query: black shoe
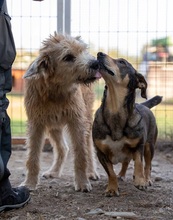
x,y
14,198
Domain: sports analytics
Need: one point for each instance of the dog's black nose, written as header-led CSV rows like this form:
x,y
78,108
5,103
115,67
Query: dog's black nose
x,y
100,54
95,65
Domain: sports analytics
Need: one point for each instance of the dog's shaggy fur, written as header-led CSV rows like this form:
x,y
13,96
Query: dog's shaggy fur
x,y
58,94
122,129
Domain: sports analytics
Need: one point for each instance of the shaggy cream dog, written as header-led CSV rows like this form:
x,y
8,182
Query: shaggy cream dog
x,y
58,94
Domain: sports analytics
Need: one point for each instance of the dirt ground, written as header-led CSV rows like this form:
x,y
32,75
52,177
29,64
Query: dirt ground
x,y
56,198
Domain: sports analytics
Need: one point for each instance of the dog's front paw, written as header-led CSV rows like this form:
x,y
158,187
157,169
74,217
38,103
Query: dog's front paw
x,y
121,178
112,188
50,174
83,186
111,192
149,182
94,176
140,183
30,185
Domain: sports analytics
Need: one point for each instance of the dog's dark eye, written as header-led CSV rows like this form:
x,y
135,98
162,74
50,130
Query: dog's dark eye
x,y
122,62
69,58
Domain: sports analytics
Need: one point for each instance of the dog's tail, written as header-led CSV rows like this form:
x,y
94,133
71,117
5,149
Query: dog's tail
x,y
153,101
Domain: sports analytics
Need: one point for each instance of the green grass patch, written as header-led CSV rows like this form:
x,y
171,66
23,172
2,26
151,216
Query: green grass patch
x,y
99,88
164,118
18,128
162,112
17,113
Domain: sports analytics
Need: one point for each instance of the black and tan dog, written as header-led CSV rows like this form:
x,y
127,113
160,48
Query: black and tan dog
x,y
122,129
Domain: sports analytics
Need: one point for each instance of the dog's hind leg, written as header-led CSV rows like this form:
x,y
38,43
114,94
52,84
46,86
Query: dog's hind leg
x,y
148,158
123,170
91,161
60,150
139,178
34,144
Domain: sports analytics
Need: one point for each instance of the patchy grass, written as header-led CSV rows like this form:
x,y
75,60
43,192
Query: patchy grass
x,y
164,118
17,114
162,112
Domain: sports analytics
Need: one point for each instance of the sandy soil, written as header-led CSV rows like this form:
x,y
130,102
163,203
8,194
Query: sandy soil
x,y
56,198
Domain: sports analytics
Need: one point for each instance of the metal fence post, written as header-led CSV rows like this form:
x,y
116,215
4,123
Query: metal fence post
x,y
64,16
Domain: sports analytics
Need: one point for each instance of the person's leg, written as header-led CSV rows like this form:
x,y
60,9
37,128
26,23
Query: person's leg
x,y
1,161
5,144
6,139
10,198
5,129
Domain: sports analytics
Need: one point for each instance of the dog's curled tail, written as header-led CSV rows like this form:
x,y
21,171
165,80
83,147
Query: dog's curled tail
x,y
153,101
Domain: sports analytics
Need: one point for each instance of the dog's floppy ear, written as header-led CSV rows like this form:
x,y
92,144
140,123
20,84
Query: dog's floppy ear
x,y
36,65
78,38
32,69
142,85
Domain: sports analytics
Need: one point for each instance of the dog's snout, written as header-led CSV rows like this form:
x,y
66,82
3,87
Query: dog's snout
x,y
95,65
100,54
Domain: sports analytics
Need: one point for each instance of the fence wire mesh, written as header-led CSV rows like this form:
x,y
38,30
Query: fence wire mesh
x,y
139,31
